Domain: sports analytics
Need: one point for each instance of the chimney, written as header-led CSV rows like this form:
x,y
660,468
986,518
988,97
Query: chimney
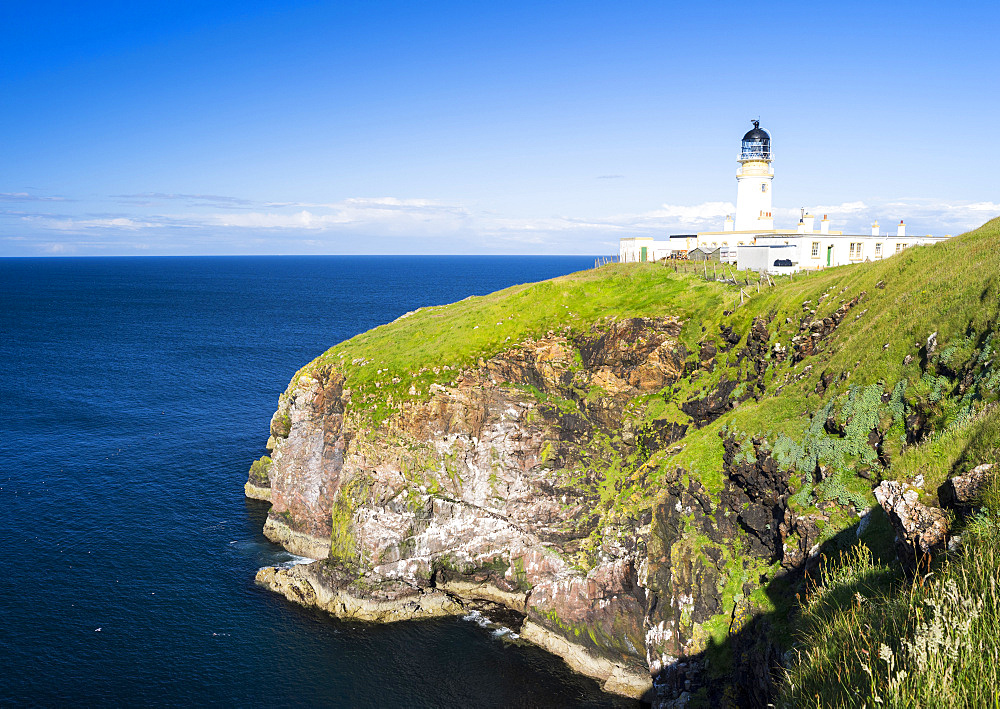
x,y
901,229
730,224
824,226
875,228
810,222
802,227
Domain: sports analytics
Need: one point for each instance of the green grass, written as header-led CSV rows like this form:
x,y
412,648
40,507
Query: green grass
x,y
381,365
955,450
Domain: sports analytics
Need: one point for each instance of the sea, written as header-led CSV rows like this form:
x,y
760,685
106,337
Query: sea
x,y
135,393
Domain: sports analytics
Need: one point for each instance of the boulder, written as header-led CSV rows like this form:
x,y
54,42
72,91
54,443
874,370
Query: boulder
x,y
920,529
966,490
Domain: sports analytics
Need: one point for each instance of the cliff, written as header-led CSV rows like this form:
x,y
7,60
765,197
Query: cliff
x,y
641,465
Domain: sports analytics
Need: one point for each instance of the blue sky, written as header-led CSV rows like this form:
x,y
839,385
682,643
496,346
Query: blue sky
x,y
460,127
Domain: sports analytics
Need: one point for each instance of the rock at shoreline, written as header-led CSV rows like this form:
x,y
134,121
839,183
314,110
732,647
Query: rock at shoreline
x,y
313,586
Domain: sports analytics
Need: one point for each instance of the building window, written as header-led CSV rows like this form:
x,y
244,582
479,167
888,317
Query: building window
x,y
855,250
815,249
878,249
899,247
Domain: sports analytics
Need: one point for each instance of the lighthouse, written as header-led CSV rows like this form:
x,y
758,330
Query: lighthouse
x,y
751,241
753,182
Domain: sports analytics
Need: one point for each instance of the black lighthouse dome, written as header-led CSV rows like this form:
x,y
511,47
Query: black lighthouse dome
x,y
756,144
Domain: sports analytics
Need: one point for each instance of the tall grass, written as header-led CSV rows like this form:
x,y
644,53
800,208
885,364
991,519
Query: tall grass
x,y
874,638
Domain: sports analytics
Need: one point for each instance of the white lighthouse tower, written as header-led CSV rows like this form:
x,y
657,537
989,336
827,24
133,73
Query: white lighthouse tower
x,y
753,182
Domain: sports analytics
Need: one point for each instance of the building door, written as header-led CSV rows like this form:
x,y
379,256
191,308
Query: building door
x,y
642,254
829,255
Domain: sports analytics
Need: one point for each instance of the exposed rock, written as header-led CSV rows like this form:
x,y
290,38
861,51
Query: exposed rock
x,y
729,336
494,487
799,537
386,602
615,677
919,529
257,493
645,352
812,332
712,405
483,589
471,494
295,541
757,350
966,490
258,485
931,344
825,379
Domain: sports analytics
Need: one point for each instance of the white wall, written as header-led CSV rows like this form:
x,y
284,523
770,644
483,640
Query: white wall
x,y
630,249
753,196
762,257
842,252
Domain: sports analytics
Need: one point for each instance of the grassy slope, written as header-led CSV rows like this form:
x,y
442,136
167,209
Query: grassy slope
x,y
952,289
458,335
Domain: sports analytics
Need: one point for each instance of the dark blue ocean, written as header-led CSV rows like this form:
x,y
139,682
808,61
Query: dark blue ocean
x,y
135,393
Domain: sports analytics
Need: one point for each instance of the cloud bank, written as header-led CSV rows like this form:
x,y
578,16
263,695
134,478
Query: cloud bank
x,y
202,223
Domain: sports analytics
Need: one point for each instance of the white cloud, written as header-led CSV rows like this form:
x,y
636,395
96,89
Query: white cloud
x,y
26,197
71,224
987,207
842,208
414,225
381,214
697,213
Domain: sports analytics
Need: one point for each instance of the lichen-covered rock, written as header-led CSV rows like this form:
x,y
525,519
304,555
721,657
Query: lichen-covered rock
x,y
966,490
920,529
258,485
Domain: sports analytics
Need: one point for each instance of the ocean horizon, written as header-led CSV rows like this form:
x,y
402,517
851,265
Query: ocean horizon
x,y
137,391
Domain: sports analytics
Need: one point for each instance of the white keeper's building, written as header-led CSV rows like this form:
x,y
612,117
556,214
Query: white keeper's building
x,y
750,240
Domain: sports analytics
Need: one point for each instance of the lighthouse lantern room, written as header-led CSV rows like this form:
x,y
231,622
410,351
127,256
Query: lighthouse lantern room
x,y
753,182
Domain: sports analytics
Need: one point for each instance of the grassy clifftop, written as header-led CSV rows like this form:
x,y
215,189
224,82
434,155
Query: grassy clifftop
x,y
381,365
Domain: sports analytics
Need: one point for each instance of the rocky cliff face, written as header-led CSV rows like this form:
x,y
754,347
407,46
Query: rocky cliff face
x,y
481,492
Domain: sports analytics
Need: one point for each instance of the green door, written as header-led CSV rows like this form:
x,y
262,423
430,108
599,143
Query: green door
x,y
642,254
829,255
